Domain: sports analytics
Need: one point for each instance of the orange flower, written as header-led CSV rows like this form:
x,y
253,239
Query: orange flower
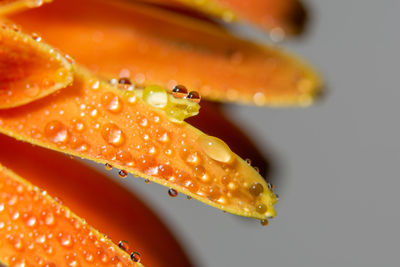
x,y
49,100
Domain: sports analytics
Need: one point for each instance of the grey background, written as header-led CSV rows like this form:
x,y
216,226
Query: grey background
x,y
336,163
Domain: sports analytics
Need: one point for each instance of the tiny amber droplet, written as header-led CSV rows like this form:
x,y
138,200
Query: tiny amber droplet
x,y
261,208
124,80
179,91
264,222
194,96
122,173
172,192
108,166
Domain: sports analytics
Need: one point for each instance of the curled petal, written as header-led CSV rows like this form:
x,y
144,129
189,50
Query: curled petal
x,y
158,47
287,15
29,69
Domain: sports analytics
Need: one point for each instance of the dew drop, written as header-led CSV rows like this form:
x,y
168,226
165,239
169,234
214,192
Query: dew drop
x,y
122,173
261,208
155,96
66,240
194,96
264,222
112,102
108,166
56,132
31,222
147,181
215,148
79,126
124,245
36,37
49,219
124,157
135,256
124,80
172,192
179,91
256,189
108,152
113,135
248,161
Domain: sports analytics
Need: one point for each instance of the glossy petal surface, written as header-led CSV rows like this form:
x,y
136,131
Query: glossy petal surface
x,y
157,47
98,121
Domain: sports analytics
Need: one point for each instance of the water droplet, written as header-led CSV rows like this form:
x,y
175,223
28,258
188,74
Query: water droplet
x,y
79,126
112,102
264,222
179,91
66,240
41,239
56,132
124,157
261,208
257,169
259,98
147,181
135,256
155,96
189,197
256,189
215,148
36,37
32,90
49,219
124,245
122,173
113,135
124,80
108,152
31,222
277,34
172,192
194,96
108,166
248,161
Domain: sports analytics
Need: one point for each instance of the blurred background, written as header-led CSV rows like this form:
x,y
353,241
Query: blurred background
x,y
335,164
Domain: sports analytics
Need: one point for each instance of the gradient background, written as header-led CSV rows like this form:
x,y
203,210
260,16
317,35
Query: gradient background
x,y
335,165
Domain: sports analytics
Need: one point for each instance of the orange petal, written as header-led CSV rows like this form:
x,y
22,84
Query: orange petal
x,y
12,6
29,69
37,230
157,47
105,205
287,15
143,132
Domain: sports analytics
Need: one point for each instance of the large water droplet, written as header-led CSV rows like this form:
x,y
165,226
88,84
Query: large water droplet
x,y
113,135
56,132
215,148
155,96
112,102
